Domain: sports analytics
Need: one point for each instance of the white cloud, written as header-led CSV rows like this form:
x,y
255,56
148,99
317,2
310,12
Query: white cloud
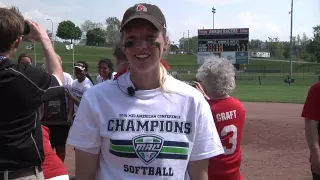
x,y
192,24
247,19
260,25
39,13
2,4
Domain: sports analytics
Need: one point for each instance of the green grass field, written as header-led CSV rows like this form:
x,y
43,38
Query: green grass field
x,y
270,73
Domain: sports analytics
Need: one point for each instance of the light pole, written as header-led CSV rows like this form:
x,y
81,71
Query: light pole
x,y
291,41
213,12
183,42
188,42
52,33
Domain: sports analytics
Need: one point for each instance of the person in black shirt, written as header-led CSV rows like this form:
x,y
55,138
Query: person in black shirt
x,y
23,88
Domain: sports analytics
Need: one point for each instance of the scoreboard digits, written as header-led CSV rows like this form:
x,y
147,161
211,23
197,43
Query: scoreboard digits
x,y
224,42
212,47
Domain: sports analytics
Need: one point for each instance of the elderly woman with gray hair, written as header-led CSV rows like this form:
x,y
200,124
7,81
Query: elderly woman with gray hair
x,y
217,82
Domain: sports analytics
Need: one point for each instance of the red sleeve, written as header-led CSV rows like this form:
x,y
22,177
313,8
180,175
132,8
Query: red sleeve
x,y
52,165
312,105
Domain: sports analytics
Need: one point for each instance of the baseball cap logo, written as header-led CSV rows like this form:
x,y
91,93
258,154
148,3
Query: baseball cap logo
x,y
141,7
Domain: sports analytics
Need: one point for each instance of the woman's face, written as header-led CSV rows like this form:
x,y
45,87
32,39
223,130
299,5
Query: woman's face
x,y
143,45
104,70
80,74
25,60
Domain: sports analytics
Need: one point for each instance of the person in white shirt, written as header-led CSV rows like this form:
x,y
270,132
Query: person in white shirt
x,y
78,87
105,68
145,124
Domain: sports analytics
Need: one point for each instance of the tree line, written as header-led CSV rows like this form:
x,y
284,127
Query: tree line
x,y
107,34
91,33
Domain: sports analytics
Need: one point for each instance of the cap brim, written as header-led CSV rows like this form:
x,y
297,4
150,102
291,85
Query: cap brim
x,y
147,17
79,67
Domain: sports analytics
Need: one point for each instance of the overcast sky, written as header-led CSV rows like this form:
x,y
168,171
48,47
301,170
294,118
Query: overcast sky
x,y
265,18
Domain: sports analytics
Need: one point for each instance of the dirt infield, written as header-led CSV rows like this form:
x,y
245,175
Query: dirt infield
x,y
273,144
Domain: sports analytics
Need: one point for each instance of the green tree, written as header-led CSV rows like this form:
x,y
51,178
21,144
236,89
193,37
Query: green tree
x,y
89,25
255,44
67,30
191,42
112,30
314,46
95,37
275,47
173,47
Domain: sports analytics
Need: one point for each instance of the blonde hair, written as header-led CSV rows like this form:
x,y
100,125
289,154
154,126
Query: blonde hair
x,y
162,77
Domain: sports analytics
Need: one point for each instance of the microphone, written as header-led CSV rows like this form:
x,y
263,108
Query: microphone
x,y
131,91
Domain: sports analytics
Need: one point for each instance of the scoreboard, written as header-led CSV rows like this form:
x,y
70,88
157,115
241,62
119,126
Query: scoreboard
x,y
232,44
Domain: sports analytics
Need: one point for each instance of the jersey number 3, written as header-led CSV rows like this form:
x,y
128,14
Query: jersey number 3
x,y
232,139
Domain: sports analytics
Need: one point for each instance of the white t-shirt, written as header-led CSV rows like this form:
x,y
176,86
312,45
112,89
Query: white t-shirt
x,y
99,79
152,135
67,84
78,89
67,79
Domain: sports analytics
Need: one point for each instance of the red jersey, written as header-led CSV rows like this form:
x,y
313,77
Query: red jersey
x,y
52,165
311,106
228,115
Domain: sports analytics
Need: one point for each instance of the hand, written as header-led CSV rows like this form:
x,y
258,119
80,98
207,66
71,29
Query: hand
x,y
199,87
315,164
68,94
37,32
70,118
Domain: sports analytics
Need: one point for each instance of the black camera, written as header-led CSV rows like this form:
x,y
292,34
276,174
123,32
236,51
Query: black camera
x,y
26,29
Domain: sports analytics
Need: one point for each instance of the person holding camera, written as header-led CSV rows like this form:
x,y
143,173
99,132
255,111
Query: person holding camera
x,y
23,88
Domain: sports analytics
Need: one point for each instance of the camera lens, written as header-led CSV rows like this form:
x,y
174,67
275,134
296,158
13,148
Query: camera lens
x,y
26,30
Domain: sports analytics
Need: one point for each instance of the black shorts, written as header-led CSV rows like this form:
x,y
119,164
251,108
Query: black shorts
x,y
315,176
58,135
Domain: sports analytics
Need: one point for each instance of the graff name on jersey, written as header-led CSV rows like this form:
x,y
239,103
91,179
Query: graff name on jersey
x,y
149,171
134,125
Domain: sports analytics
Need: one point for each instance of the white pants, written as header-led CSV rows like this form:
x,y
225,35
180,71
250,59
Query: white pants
x,y
62,177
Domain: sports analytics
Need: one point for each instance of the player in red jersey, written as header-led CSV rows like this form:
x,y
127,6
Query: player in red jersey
x,y
311,113
217,78
52,167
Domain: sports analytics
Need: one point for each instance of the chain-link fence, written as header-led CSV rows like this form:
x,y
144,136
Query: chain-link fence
x,y
302,74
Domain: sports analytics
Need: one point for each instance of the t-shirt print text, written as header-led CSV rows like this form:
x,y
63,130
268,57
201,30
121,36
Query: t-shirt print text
x,y
150,144
77,92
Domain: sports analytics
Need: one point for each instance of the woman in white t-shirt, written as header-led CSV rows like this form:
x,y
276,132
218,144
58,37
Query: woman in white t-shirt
x,y
145,124
105,68
79,86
